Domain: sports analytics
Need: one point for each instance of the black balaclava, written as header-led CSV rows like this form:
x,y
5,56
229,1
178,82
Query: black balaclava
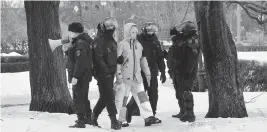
x,y
110,31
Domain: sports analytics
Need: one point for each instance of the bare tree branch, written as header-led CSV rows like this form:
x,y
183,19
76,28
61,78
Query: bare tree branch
x,y
258,10
252,6
186,11
252,100
261,113
242,4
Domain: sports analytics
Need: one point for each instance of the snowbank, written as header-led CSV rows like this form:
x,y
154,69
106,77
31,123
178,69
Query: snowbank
x,y
259,56
11,54
15,88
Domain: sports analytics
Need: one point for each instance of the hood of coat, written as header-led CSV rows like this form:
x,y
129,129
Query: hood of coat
x,y
127,30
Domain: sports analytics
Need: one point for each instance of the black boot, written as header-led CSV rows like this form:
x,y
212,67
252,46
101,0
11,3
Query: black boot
x,y
152,120
80,123
88,112
188,107
124,124
128,116
94,120
88,119
179,115
115,124
188,116
182,111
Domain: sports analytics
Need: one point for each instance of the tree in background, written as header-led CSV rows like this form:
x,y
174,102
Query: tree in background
x,y
49,91
221,63
13,29
256,10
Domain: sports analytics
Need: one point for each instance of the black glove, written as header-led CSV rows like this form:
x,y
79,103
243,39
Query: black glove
x,y
120,60
163,78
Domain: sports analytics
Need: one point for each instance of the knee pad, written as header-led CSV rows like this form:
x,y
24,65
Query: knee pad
x,y
188,95
142,97
188,99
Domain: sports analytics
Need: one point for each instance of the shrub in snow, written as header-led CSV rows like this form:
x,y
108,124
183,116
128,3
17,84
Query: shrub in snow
x,y
12,59
14,63
253,75
244,48
14,67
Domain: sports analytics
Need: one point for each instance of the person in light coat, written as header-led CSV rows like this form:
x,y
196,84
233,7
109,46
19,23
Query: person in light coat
x,y
129,75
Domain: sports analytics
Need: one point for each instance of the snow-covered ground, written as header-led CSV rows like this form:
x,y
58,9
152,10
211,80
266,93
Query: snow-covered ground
x,y
259,56
15,89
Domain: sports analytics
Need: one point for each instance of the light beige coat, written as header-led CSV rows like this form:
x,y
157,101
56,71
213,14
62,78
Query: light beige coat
x,y
134,62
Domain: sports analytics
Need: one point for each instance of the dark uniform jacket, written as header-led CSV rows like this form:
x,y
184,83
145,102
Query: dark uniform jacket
x,y
182,57
80,57
153,51
105,55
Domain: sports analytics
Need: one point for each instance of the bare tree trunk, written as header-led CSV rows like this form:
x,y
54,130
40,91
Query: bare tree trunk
x,y
238,13
49,91
221,63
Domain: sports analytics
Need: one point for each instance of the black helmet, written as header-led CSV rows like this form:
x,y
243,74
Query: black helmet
x,y
110,23
107,24
186,28
150,27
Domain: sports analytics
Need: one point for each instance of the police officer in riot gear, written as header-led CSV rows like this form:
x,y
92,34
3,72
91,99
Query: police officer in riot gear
x,y
154,53
79,67
182,61
105,65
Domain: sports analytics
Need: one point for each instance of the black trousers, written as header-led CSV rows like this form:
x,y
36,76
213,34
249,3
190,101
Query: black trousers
x,y
152,92
80,96
183,86
107,96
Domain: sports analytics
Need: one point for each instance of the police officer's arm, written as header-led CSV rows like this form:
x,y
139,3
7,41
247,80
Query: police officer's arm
x,y
160,58
144,64
80,57
119,53
99,57
170,60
